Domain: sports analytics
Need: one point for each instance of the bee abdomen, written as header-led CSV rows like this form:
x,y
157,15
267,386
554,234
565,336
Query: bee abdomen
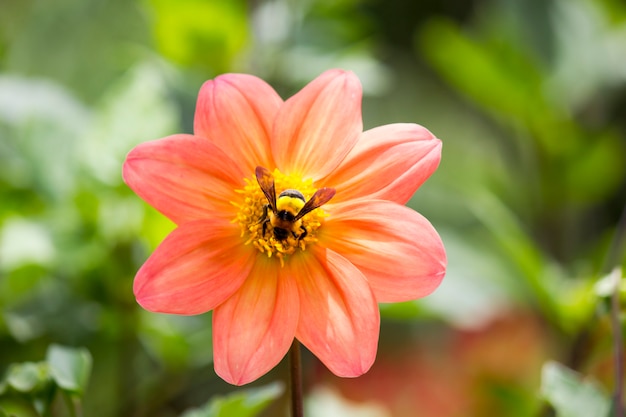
x,y
280,233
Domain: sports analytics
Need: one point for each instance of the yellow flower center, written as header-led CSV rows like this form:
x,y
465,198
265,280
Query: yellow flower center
x,y
273,230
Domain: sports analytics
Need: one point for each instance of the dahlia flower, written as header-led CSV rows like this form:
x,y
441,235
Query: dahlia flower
x,y
268,274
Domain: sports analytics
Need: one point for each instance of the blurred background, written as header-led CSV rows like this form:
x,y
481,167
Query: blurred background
x,y
528,96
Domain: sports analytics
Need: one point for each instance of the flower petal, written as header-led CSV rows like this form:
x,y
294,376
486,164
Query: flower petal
x,y
396,248
388,162
236,113
317,127
339,318
198,266
252,330
184,177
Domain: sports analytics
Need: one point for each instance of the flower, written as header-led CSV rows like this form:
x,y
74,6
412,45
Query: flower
x,y
318,280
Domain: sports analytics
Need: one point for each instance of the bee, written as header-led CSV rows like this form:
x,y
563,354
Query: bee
x,y
285,213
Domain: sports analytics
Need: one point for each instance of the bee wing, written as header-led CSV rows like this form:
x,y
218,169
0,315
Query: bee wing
x,y
321,196
266,182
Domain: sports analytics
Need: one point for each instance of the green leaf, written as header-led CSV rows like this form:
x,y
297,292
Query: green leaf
x,y
208,34
26,377
247,403
571,395
594,171
69,367
514,84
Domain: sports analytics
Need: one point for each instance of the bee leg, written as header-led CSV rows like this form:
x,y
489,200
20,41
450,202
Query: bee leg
x,y
264,215
302,235
264,218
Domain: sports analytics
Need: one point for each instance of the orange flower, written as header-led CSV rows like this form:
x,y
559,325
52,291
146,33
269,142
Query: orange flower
x,y
270,277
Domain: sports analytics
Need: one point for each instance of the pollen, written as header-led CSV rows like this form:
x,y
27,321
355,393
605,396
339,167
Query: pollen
x,y
260,233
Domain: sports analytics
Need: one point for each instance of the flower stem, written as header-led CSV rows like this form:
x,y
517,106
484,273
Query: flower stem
x,y
613,261
295,376
69,402
618,344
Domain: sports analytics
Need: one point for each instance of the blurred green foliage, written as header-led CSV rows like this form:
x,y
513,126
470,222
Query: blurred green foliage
x,y
34,389
571,395
247,403
528,96
205,34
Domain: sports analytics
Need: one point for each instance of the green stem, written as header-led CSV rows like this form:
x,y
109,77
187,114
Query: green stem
x,y
69,403
295,376
613,260
618,343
